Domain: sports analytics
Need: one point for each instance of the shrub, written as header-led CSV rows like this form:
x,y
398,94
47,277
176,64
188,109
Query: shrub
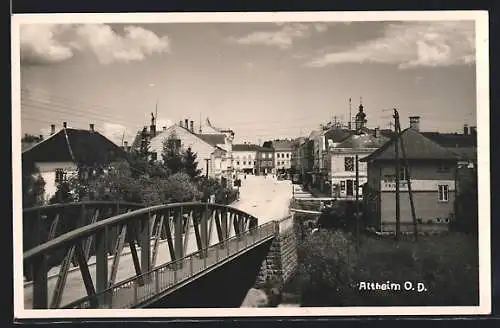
x,y
331,270
179,188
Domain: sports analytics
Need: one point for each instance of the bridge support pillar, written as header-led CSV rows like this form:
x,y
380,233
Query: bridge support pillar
x,y
281,262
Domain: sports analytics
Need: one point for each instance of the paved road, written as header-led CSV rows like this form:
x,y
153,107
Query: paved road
x,y
264,197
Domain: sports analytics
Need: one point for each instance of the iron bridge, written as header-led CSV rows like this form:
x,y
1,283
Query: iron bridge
x,y
62,238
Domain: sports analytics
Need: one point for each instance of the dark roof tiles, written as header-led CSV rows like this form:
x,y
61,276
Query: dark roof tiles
x,y
416,146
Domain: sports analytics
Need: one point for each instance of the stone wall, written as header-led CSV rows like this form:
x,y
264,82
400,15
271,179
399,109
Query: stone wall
x,y
281,261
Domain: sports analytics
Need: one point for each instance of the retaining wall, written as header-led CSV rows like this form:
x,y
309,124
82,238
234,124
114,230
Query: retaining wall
x,y
281,261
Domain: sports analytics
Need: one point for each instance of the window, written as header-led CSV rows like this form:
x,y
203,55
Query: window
x,y
349,164
254,162
238,163
287,155
60,175
174,143
342,185
443,193
244,162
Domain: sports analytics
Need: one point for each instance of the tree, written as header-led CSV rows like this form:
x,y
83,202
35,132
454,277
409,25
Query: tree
x,y
191,164
33,185
63,194
31,138
171,155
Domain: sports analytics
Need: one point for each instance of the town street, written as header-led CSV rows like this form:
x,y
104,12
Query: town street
x,y
264,197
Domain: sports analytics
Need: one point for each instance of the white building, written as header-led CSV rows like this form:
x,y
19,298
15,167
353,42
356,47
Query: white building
x,y
59,155
282,154
342,163
245,158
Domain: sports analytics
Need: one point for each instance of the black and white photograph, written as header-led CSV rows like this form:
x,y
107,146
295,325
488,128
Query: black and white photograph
x,y
251,164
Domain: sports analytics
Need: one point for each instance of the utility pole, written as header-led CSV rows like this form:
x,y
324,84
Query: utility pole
x,y
396,148
357,202
408,181
350,114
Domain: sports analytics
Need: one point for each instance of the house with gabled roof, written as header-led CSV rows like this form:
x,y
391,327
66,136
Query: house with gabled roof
x,y
212,149
341,163
432,170
66,151
245,157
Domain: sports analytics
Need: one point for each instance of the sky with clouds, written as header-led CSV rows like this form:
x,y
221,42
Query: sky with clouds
x,y
263,80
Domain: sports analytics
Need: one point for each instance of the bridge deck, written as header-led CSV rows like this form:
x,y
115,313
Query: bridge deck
x,y
75,288
129,294
168,277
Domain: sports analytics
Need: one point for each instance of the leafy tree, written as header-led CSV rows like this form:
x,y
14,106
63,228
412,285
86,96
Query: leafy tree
x,y
191,164
33,185
171,155
63,194
31,138
180,188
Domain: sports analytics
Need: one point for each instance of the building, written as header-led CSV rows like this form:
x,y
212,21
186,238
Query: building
x,y
432,172
70,151
245,158
305,159
283,150
265,161
213,150
341,162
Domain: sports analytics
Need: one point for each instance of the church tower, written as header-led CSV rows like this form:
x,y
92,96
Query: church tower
x,y
360,120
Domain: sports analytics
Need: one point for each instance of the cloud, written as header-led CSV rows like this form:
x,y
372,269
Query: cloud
x,y
411,44
283,37
115,132
39,44
50,43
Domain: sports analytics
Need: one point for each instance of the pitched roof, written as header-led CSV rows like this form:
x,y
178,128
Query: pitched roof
x,y
282,145
265,149
416,146
70,145
213,139
245,147
363,140
452,140
337,134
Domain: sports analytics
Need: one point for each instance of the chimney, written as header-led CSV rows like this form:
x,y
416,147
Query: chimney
x,y
125,145
186,123
91,127
52,129
41,137
466,129
65,125
376,132
164,128
180,123
473,130
192,126
415,123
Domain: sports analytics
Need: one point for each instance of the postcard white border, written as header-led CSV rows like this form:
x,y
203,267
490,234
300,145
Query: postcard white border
x,y
482,78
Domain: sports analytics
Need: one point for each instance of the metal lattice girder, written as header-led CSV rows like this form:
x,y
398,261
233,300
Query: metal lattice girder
x,y
120,243
139,226
101,264
169,236
145,242
178,245
84,270
158,233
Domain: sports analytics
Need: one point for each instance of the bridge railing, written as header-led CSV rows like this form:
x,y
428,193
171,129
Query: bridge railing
x,y
153,285
43,223
136,228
